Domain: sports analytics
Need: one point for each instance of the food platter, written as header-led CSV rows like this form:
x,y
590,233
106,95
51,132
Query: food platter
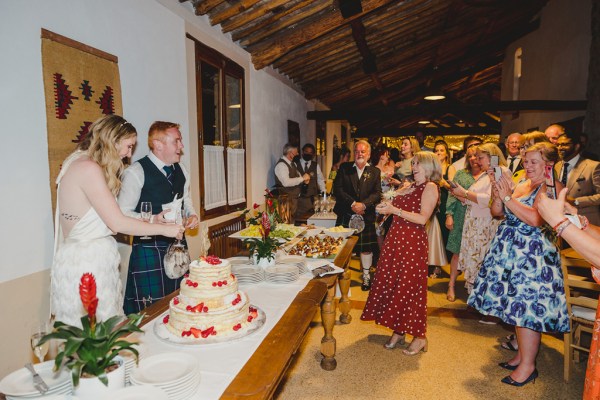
x,y
282,232
318,246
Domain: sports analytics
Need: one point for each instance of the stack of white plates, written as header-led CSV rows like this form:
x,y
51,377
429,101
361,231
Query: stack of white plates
x,y
239,261
282,273
248,273
177,374
129,363
142,392
19,384
298,261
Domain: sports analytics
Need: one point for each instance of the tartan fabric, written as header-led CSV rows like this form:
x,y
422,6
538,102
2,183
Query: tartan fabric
x,y
367,239
146,278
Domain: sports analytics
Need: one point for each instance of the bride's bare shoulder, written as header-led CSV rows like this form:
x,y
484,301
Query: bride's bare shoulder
x,y
84,167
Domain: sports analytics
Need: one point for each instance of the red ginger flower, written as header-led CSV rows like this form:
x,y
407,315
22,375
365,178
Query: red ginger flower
x,y
265,226
87,294
255,206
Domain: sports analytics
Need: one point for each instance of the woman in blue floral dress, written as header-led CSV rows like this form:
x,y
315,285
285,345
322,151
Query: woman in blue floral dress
x,y
520,280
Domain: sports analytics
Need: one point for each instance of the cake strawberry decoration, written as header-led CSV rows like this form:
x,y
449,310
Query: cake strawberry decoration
x,y
212,260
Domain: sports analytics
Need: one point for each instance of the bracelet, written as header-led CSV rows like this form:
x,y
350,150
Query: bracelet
x,y
399,214
555,227
466,194
584,222
562,227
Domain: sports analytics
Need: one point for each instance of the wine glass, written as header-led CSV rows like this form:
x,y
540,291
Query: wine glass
x,y
37,333
180,219
317,205
146,214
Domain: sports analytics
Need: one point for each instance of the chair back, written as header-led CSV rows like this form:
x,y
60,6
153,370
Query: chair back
x,y
582,302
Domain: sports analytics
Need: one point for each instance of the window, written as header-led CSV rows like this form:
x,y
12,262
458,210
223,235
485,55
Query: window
x,y
221,133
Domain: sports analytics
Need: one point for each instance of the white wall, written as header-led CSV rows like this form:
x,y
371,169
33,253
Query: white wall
x,y
554,64
148,37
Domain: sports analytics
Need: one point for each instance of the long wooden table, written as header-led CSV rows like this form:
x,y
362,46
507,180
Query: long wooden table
x,y
261,375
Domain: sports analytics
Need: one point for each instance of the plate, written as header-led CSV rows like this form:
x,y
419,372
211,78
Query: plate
x,y
161,332
164,369
250,232
20,382
138,392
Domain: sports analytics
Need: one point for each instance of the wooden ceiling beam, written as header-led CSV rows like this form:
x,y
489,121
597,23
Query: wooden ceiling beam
x,y
438,131
232,11
203,7
252,15
284,43
266,27
499,106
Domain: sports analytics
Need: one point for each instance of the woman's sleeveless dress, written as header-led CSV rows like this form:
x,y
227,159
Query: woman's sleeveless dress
x,y
398,296
89,247
520,280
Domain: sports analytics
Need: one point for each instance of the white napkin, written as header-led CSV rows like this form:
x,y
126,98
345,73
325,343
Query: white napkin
x,y
322,268
173,207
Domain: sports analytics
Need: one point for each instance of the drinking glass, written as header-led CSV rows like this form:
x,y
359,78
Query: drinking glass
x,y
317,205
146,214
37,332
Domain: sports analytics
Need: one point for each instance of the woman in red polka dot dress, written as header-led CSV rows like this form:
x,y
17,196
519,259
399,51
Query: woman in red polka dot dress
x,y
398,297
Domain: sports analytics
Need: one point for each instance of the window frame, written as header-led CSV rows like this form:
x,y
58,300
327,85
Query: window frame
x,y
226,67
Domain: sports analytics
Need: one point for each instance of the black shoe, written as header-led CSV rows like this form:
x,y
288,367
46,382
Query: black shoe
x,y
510,381
507,366
366,283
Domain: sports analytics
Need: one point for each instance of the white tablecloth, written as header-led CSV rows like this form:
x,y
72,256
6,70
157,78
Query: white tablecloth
x,y
327,221
221,362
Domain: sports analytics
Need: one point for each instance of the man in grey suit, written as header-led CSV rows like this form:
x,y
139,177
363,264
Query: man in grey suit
x,y
580,175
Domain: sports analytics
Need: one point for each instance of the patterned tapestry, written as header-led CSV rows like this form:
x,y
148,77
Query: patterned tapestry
x,y
81,84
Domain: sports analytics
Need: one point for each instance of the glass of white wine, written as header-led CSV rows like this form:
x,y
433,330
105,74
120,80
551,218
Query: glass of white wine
x,y
37,333
146,214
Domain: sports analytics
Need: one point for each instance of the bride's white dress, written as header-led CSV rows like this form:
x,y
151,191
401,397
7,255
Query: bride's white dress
x,y
89,247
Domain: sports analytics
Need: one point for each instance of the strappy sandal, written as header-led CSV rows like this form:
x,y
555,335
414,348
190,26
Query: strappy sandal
x,y
509,346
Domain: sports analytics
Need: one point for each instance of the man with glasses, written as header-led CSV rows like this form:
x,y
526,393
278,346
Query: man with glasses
x,y
513,143
357,189
288,178
580,175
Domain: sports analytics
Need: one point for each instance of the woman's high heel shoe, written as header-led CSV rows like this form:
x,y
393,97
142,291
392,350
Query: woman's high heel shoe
x,y
510,381
413,352
392,345
450,296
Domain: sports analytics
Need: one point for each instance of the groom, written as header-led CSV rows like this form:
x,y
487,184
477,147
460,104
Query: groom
x,y
156,178
357,189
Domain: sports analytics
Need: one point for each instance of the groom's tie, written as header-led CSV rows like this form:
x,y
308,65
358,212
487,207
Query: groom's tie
x,y
169,170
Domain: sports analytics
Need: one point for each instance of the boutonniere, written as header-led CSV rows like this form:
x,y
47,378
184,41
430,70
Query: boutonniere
x,y
367,175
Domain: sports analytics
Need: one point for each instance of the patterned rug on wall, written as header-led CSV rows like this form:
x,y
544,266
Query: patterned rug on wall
x,y
81,84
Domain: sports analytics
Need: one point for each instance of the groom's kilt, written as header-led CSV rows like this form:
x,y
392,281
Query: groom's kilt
x,y
367,239
146,278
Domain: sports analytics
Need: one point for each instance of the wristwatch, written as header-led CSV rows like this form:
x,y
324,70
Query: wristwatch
x,y
576,202
506,198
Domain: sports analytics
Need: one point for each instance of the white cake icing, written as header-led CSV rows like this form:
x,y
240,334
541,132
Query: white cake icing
x,y
209,302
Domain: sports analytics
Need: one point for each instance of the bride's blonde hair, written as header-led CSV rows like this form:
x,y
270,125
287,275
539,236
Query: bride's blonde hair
x,y
101,146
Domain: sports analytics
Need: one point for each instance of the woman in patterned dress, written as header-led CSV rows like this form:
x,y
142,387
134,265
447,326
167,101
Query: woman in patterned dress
x,y
455,214
479,226
398,297
521,280
586,242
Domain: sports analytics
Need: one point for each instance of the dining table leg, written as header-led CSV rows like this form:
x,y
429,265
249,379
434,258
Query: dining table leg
x,y
328,361
344,304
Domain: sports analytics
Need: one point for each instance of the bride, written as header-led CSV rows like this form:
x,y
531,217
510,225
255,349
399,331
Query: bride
x,y
87,215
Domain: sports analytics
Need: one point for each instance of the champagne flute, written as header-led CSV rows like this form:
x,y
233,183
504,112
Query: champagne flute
x,y
180,219
37,333
146,214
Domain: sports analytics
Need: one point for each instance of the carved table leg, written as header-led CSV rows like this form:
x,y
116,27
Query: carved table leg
x,y
344,304
328,362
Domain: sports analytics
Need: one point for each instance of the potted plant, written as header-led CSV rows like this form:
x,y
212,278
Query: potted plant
x,y
92,351
263,250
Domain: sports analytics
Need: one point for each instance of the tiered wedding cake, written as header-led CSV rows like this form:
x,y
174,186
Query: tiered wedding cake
x,y
209,302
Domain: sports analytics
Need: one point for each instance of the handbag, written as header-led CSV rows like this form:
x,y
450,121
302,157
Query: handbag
x,y
177,260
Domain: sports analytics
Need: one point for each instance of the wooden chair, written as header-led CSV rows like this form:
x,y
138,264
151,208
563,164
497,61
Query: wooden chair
x,y
221,245
582,301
